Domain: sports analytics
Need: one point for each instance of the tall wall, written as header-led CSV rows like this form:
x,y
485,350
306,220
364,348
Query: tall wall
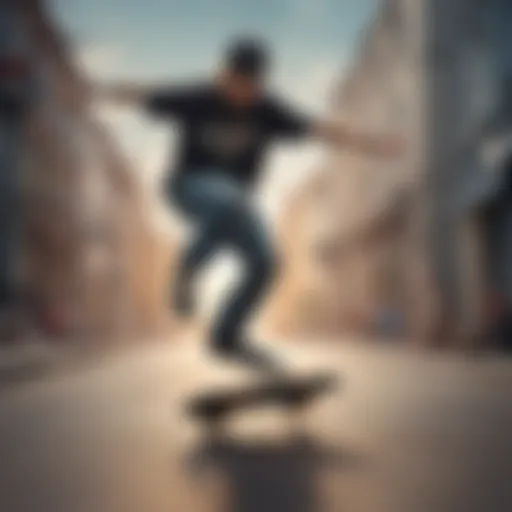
x,y
88,258
404,244
383,91
465,63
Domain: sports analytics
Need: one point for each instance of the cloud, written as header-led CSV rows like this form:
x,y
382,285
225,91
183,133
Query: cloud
x,y
308,10
143,142
98,59
313,86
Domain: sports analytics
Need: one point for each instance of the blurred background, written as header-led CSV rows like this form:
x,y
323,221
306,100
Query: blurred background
x,y
415,250
376,255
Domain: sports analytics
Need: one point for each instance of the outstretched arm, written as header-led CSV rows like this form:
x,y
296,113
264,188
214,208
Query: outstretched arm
x,y
289,122
375,145
163,101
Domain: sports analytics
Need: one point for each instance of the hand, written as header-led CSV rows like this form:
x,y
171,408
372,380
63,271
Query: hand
x,y
382,146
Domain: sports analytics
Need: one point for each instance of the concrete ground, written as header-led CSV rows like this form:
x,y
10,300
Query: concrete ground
x,y
408,433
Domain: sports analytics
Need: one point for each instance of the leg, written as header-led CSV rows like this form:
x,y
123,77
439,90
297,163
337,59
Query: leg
x,y
209,238
250,239
224,217
211,203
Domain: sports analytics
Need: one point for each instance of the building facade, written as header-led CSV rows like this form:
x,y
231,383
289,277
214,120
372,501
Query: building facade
x,y
84,239
407,247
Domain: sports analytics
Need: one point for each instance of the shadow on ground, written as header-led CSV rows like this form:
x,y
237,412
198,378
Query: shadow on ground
x,y
269,476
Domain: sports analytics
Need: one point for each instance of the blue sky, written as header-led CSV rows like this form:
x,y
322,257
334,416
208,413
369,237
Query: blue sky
x,y
171,38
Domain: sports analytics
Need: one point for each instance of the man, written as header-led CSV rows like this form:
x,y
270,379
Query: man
x,y
227,126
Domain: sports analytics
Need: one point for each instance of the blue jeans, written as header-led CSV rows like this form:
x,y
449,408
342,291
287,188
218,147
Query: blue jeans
x,y
220,209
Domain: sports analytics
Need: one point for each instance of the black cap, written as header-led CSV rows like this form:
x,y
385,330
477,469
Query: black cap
x,y
248,57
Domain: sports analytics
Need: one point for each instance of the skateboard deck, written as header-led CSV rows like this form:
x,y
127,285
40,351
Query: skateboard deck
x,y
289,392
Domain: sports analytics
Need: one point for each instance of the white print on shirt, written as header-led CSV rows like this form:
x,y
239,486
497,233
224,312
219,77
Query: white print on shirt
x,y
227,140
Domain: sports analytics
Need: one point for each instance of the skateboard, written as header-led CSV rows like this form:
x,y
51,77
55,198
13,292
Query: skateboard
x,y
291,393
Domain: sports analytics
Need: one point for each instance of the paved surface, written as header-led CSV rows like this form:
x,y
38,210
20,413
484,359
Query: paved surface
x,y
409,433
29,360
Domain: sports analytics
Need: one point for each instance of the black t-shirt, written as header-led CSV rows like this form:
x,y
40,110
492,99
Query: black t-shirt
x,y
218,136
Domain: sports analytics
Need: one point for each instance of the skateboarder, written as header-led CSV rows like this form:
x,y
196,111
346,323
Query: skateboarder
x,y
227,124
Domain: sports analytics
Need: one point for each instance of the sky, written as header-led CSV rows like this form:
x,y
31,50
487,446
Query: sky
x,y
173,40
159,38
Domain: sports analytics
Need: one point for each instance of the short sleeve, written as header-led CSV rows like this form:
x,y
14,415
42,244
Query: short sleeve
x,y
177,102
287,122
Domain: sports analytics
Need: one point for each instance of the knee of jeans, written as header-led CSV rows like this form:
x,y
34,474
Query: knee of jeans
x,y
264,265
